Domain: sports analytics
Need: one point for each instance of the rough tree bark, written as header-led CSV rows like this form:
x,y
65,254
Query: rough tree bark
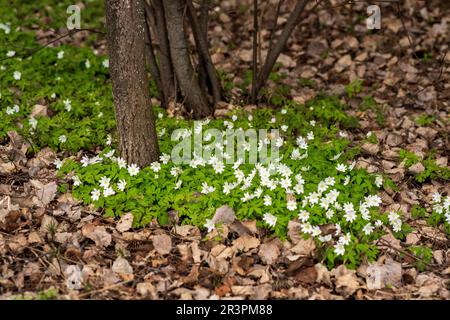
x,y
194,98
134,118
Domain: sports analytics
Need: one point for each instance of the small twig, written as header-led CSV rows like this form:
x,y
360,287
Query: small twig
x,y
407,253
82,295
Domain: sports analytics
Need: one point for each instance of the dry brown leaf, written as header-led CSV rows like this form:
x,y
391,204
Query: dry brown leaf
x,y
39,111
383,275
187,231
192,277
98,234
45,193
346,281
307,275
304,247
242,290
125,223
146,289
294,231
122,267
323,275
245,243
371,148
48,224
224,214
162,243
269,252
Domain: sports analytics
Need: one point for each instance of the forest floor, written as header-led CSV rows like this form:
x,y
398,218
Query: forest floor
x,y
49,242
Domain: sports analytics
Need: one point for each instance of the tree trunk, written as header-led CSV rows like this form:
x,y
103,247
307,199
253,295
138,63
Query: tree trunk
x,y
194,98
134,118
151,61
167,75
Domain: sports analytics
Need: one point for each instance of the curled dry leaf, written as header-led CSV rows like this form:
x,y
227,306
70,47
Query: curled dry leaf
x,y
242,290
428,285
323,275
39,111
371,148
187,231
245,243
98,234
304,247
307,275
346,281
125,223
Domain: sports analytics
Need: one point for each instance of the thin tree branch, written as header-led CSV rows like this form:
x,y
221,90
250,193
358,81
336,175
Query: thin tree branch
x,y
203,51
275,23
165,58
204,18
151,59
255,52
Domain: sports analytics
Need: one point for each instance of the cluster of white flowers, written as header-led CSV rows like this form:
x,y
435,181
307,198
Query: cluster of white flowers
x,y
207,188
265,181
339,247
86,161
270,219
12,110
105,183
442,206
394,220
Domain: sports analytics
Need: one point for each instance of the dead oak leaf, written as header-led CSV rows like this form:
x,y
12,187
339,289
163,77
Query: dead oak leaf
x,y
245,243
98,234
382,275
44,193
304,247
345,280
269,252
